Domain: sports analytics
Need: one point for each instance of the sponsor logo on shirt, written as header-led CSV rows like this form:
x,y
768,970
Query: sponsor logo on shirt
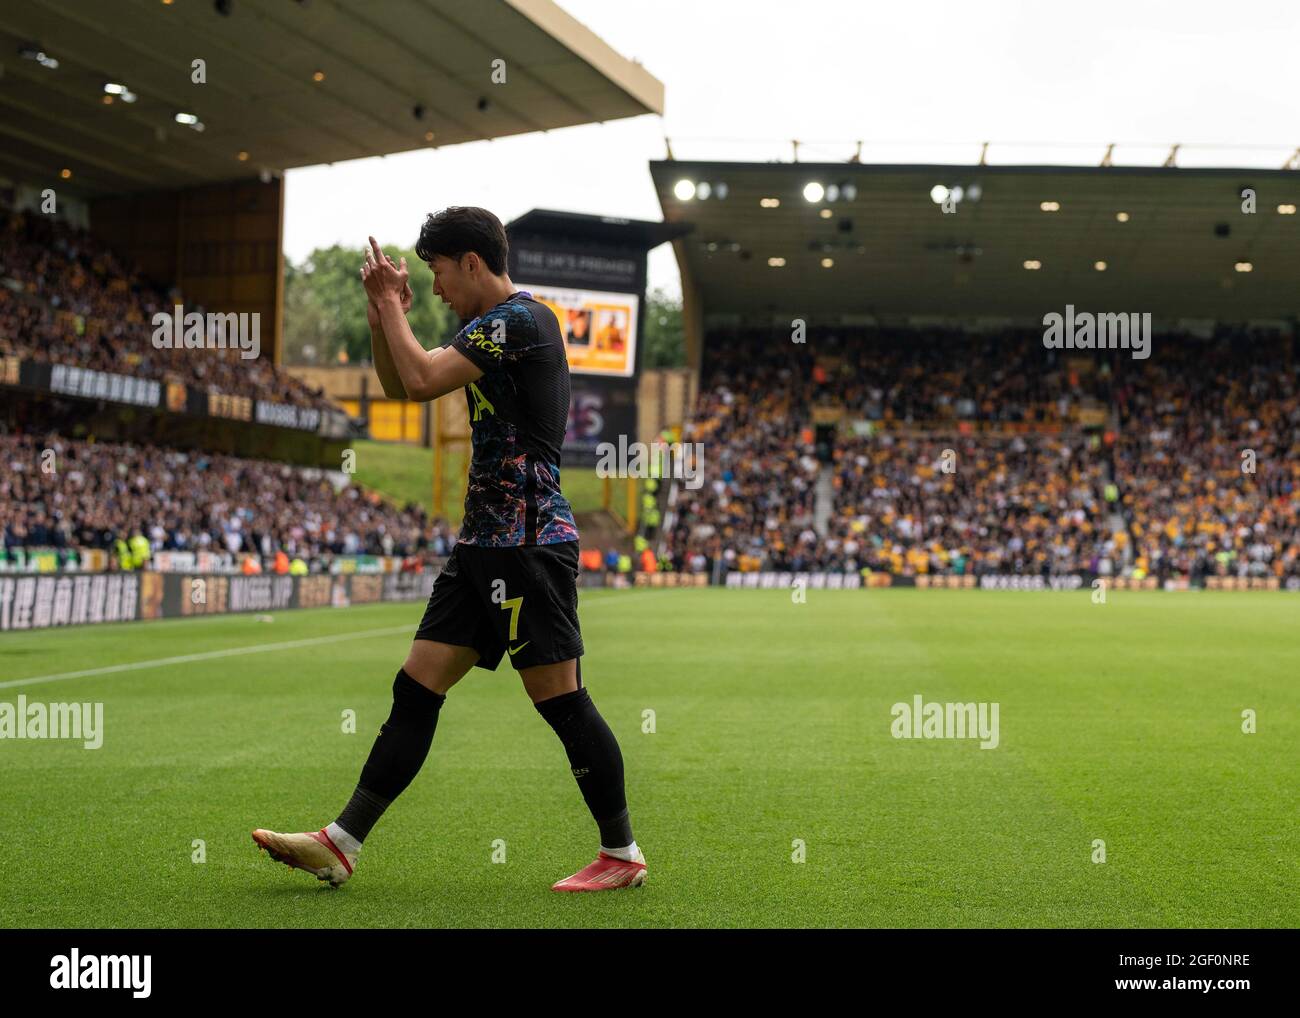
x,y
478,340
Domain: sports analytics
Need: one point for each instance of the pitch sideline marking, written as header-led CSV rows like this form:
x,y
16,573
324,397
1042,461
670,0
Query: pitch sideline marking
x,y
209,655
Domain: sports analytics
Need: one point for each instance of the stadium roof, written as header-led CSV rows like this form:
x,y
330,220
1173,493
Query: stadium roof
x,y
895,252
381,59
634,233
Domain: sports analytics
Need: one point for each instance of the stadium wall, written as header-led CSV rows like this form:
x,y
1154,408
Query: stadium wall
x,y
219,244
42,602
52,600
356,389
692,310
116,407
664,398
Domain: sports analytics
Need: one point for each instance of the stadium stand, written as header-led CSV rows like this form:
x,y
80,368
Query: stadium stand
x,y
101,493
1158,490
66,299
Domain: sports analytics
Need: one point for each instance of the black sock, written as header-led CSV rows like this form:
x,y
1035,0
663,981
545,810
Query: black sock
x,y
595,760
397,755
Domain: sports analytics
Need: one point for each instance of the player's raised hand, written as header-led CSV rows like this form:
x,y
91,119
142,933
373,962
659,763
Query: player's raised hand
x,y
382,279
407,298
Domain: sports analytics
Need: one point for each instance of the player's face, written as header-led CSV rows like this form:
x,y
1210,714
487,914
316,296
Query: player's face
x,y
451,283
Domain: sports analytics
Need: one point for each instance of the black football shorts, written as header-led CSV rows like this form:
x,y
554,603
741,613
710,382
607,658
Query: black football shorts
x,y
522,601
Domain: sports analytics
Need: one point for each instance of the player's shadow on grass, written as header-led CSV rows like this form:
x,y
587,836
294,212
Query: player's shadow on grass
x,y
301,891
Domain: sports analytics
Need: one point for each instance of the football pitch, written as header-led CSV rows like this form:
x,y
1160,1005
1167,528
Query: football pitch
x,y
1120,730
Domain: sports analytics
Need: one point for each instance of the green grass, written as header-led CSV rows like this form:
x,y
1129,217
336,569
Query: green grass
x,y
404,473
1117,721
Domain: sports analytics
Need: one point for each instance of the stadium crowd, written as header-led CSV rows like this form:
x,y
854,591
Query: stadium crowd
x,y
955,452
66,299
1210,459
58,493
939,486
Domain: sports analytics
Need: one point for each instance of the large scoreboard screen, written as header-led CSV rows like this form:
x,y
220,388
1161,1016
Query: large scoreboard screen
x,y
599,328
591,271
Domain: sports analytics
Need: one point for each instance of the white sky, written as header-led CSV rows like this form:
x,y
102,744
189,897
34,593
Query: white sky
x,y
1047,81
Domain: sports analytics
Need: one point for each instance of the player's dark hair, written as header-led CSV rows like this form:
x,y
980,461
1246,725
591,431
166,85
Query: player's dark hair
x,y
460,229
